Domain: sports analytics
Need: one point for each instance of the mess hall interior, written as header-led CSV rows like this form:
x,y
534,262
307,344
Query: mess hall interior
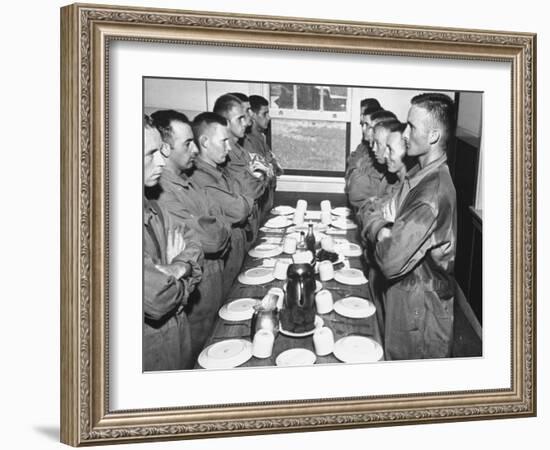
x,y
290,224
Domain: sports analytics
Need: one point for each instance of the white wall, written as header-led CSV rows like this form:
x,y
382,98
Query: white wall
x,y
30,227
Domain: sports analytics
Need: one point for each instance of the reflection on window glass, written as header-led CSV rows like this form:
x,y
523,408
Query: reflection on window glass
x,y
309,144
282,95
309,97
335,98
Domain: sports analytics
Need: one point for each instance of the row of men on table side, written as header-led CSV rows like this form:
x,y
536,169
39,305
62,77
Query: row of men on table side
x,y
209,184
399,186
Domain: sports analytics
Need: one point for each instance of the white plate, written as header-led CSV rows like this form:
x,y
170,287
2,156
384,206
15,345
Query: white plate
x,y
334,231
240,309
350,276
278,222
282,210
358,349
348,249
319,322
318,286
265,251
344,224
296,357
342,211
258,275
226,354
354,307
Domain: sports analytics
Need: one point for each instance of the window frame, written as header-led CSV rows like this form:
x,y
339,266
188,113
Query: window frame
x,y
314,115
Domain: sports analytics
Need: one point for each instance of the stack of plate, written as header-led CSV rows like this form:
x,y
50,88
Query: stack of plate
x,y
258,275
237,310
348,248
282,210
296,357
265,251
350,276
354,307
344,224
278,222
358,349
341,211
226,354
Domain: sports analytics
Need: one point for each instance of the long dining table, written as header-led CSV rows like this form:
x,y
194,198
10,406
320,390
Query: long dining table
x,y
341,326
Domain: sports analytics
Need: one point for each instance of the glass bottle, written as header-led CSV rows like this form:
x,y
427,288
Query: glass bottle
x,y
310,239
301,246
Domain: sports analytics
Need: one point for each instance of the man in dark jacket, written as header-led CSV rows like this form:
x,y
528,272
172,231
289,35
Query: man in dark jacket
x,y
192,205
416,252
171,269
212,138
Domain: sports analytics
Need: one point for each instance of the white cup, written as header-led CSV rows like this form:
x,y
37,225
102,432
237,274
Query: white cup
x,y
327,244
303,257
280,269
325,206
326,270
280,294
301,205
298,217
289,245
326,217
323,341
323,301
262,345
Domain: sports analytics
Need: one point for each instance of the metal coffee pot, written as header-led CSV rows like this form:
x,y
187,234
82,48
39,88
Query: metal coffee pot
x,y
300,287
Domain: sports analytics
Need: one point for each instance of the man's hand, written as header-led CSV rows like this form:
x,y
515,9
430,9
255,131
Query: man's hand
x,y
383,234
175,243
177,270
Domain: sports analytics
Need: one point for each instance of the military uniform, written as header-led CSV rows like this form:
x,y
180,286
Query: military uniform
x,y
188,203
236,209
418,263
166,333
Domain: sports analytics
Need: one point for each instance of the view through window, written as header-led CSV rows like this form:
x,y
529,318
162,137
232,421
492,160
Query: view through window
x,y
309,126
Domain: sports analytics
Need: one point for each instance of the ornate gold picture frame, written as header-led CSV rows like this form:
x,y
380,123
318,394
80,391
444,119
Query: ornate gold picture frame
x,y
87,31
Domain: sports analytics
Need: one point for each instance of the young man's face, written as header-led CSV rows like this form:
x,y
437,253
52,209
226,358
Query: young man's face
x,y
368,130
396,151
237,121
417,133
379,148
184,149
216,143
153,159
247,114
262,118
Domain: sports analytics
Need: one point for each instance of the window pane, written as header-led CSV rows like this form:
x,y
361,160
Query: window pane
x,y
282,95
335,98
309,144
308,97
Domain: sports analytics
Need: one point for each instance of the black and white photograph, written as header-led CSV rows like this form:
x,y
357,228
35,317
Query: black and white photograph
x,y
291,224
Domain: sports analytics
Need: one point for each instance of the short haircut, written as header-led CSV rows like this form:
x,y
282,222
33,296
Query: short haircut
x,y
382,116
371,105
256,102
147,122
203,121
441,109
390,126
226,103
242,97
163,119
